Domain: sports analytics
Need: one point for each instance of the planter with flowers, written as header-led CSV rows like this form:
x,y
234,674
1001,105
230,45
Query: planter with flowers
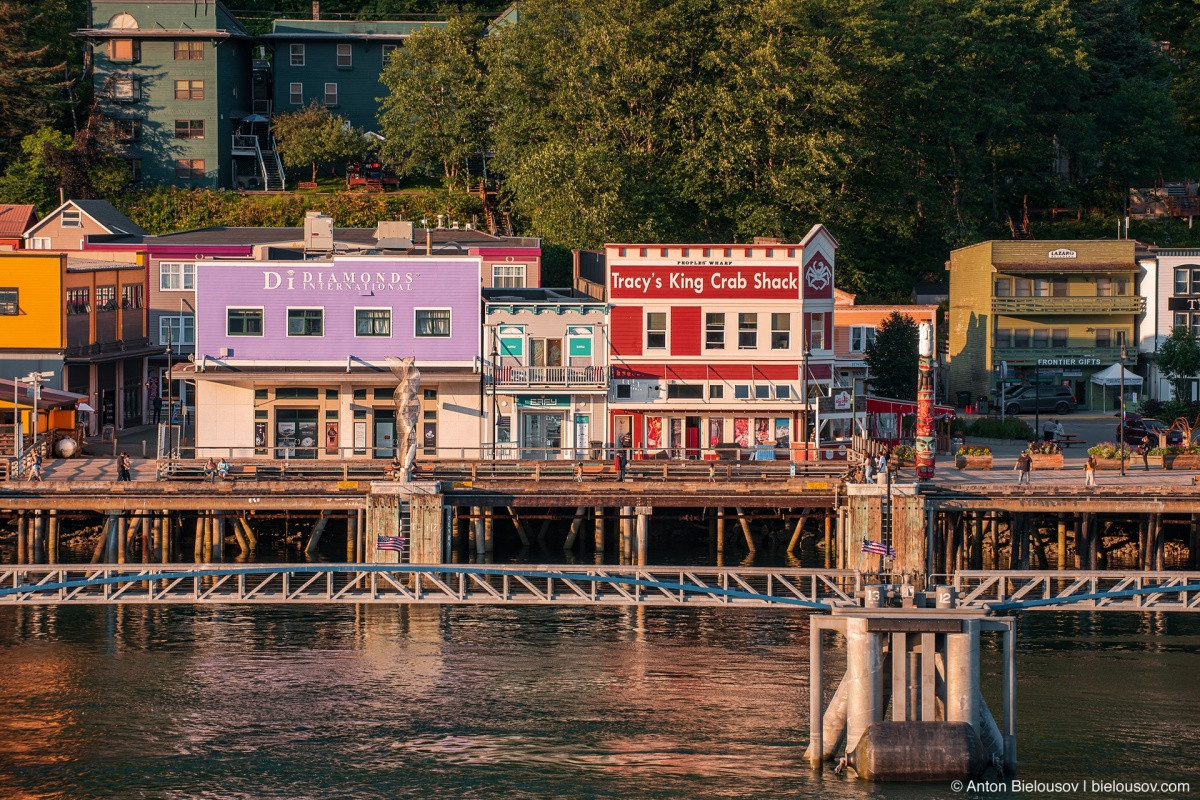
x,y
1176,457
973,458
1045,455
1109,455
902,456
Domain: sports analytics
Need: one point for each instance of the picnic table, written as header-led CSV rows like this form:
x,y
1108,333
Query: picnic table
x,y
1065,440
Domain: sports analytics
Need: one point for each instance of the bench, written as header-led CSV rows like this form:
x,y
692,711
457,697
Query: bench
x,y
306,185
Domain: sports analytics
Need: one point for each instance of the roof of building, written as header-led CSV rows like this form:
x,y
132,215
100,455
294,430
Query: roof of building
x,y
537,296
101,211
163,19
441,239
84,264
344,29
16,219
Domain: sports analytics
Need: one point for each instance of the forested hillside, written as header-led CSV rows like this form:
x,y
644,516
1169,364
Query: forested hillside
x,y
909,127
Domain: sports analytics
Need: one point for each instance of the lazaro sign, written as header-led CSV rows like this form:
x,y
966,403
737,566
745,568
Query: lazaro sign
x,y
338,280
726,282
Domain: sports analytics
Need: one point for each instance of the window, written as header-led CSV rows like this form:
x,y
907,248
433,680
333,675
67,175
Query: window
x,y
388,49
816,332
306,322
296,94
1003,337
1181,281
331,94
190,50
189,129
124,50
177,330
1104,287
1041,338
243,322
508,276
72,219
189,168
863,336
1181,320
684,391
1103,337
762,391
1120,332
125,90
1003,287
716,391
781,331
714,331
741,391
783,392
545,353
106,298
1021,337
747,331
372,322
1058,337
624,391
297,393
39,243
1061,288
127,129
656,330
176,275
1023,287
133,295
345,56
189,90
297,55
9,307
1195,281
1041,287
78,301
432,322
1120,286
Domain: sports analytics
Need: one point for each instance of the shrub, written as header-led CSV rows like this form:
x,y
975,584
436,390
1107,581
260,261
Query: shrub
x,y
1043,449
993,428
904,452
1150,407
974,451
1109,450
1176,451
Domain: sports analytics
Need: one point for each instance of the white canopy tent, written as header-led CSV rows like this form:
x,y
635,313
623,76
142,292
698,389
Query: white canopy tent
x,y
1116,375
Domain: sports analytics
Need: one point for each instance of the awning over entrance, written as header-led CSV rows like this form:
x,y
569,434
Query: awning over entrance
x,y
50,398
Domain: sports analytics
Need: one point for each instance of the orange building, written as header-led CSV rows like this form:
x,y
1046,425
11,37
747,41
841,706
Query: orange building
x,y
854,329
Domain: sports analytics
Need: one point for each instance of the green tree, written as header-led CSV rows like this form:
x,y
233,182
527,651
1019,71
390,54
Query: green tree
x,y
435,113
35,176
1179,361
314,135
893,360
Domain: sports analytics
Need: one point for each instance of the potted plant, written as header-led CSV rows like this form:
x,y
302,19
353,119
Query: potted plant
x,y
1045,455
1109,455
903,456
1181,457
973,458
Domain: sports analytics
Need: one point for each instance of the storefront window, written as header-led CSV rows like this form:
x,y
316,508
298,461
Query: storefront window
x,y
295,433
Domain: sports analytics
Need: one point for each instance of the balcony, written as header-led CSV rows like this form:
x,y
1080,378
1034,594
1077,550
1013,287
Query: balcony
x,y
587,377
1121,304
1077,353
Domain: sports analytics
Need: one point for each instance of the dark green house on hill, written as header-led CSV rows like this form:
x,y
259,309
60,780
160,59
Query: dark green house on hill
x,y
335,63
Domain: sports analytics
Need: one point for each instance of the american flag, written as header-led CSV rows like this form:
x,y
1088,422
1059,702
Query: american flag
x,y
390,543
878,548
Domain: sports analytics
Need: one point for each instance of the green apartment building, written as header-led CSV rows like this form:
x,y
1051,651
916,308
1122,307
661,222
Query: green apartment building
x,y
175,79
1055,312
335,63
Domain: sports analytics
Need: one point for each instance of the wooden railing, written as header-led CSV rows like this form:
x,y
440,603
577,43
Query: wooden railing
x,y
552,376
1121,304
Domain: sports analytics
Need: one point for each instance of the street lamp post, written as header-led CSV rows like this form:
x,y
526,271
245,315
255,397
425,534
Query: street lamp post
x,y
34,379
804,354
1121,427
495,399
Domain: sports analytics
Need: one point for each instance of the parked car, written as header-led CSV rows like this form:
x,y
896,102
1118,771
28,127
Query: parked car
x,y
1136,428
1058,399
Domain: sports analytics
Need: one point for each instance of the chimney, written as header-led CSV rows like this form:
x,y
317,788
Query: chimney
x,y
316,9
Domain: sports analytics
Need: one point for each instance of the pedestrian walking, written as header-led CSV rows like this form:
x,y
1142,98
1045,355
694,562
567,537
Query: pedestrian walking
x,y
712,472
1048,430
35,469
577,472
123,473
157,404
1143,450
1089,471
1023,465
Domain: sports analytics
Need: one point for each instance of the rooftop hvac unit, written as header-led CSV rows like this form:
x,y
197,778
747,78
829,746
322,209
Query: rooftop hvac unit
x,y
318,231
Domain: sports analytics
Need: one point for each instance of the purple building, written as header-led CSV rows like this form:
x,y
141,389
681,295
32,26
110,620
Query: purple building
x,y
291,356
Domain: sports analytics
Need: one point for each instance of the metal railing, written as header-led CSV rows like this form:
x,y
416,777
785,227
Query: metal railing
x,y
551,376
720,587
1078,590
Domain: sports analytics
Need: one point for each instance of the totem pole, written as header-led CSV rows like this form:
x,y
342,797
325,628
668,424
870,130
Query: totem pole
x,y
925,438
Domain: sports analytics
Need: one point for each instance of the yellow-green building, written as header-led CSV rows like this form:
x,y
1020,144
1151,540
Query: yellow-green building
x,y
1056,312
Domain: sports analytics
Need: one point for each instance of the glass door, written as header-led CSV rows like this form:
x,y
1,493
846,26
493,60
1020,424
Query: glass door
x,y
541,436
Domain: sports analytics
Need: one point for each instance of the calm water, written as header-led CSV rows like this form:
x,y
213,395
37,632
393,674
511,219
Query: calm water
x,y
371,702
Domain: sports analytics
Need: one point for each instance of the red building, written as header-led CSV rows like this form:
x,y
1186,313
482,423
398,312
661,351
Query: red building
x,y
718,345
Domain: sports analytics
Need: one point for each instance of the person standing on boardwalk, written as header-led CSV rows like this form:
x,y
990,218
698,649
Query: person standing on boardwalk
x,y
881,469
619,462
123,473
1048,430
35,469
1089,471
577,472
1143,450
1024,462
157,404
